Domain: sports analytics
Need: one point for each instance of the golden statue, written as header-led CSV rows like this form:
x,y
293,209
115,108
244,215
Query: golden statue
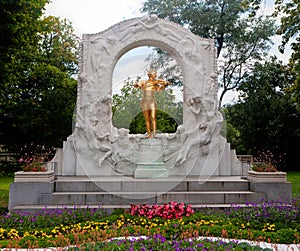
x,y
148,103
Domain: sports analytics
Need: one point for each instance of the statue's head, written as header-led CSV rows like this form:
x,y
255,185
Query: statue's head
x,y
152,73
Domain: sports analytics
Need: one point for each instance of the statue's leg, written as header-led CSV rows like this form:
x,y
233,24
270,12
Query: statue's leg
x,y
148,122
153,121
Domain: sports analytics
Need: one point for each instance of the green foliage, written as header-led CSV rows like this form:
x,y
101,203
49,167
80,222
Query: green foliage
x,y
266,115
289,11
3,210
290,26
165,123
232,134
209,19
118,211
38,60
126,105
41,112
59,44
273,222
241,35
167,66
20,23
7,169
158,242
4,191
294,178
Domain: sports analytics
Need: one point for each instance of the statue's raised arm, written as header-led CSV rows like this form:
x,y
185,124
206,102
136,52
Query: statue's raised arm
x,y
161,84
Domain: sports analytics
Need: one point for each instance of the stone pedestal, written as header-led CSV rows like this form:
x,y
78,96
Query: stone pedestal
x,y
150,162
278,177
30,177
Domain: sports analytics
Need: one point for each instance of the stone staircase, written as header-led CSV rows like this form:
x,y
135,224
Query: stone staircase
x,y
119,192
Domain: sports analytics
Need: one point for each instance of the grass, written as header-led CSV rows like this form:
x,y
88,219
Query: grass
x,y
4,190
294,178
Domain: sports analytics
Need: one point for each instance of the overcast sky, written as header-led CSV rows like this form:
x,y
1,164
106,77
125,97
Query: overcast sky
x,y
93,16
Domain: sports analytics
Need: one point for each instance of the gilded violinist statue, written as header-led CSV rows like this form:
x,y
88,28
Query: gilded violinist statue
x,y
148,102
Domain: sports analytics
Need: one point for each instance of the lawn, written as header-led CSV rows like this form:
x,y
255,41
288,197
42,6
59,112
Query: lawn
x,y
4,190
294,178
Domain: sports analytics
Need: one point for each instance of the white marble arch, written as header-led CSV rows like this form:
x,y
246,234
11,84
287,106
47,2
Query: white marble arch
x,y
98,148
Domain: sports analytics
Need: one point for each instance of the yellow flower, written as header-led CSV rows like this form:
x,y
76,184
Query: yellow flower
x,y
13,233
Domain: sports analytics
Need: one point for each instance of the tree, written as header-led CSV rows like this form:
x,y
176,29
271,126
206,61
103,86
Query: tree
x,y
59,44
126,104
240,36
20,23
242,51
266,116
231,133
38,92
169,70
290,29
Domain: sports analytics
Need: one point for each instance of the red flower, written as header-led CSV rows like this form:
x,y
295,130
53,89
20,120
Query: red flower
x,y
167,211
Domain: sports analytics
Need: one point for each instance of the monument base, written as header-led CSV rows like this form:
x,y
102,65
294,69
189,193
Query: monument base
x,y
119,192
153,170
150,160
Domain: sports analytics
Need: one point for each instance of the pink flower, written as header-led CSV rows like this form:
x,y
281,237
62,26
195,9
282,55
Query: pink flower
x,y
168,211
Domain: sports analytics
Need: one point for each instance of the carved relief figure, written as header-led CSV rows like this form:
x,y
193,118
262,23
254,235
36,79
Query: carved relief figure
x,y
200,136
195,106
172,146
102,51
124,148
144,23
105,133
149,22
148,103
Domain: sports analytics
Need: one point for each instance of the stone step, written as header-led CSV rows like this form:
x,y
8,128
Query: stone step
x,y
110,208
121,191
127,198
150,185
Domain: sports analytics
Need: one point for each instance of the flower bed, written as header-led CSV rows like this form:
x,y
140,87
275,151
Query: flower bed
x,y
171,210
271,222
